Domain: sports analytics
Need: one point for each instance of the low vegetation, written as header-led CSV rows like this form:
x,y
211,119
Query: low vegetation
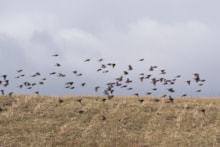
x,y
117,122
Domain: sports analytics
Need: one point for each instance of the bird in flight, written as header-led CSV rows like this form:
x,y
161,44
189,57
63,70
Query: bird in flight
x,y
55,55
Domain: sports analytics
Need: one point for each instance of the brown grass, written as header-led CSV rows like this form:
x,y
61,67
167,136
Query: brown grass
x,y
119,122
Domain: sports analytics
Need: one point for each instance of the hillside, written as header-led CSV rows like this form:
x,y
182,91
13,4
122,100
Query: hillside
x,y
97,121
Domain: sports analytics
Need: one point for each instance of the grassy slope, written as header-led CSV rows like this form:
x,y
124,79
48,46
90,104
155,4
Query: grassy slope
x,y
121,121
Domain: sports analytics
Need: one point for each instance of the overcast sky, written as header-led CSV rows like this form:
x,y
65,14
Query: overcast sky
x,y
181,36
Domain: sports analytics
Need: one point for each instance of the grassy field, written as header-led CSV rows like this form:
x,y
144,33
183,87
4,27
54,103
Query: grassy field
x,y
118,122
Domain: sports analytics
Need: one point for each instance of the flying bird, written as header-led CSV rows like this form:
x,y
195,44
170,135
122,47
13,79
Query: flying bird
x,y
87,60
171,90
130,67
188,82
97,88
58,64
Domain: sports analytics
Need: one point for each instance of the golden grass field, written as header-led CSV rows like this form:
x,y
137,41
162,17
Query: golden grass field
x,y
118,122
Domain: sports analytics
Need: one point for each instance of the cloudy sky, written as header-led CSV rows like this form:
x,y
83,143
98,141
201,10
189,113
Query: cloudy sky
x,y
181,36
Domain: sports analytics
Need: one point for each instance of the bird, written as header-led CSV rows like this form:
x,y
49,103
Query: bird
x,y
10,93
141,100
184,95
171,90
87,60
83,84
171,99
60,100
79,100
130,67
69,83
148,93
141,59
196,77
202,110
4,77
61,75
97,88
125,72
136,94
52,73
100,60
188,82
2,92
20,70
58,64
55,55
162,71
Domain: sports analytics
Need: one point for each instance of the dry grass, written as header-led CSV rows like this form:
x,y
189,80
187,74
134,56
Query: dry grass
x,y
121,121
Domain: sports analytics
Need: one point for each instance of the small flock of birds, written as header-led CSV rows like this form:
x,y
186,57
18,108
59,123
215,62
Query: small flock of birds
x,y
123,81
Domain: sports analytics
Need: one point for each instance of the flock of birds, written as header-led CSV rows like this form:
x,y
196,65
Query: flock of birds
x,y
123,81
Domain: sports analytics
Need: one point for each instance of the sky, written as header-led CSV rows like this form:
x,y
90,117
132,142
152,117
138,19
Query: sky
x,y
180,36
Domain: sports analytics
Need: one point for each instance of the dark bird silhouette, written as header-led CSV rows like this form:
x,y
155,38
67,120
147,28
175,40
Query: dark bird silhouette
x,y
79,100
103,100
69,83
151,68
141,79
6,83
80,74
148,76
120,78
184,95
178,76
162,71
20,70
52,73
61,75
97,88
10,93
83,84
20,86
149,93
171,99
171,90
136,94
100,60
58,64
141,59
130,67
4,77
87,60
154,81
81,111
75,71
125,73
188,82
55,55
128,80
60,100
196,77
202,110
2,92
141,100
41,83
113,65
103,66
